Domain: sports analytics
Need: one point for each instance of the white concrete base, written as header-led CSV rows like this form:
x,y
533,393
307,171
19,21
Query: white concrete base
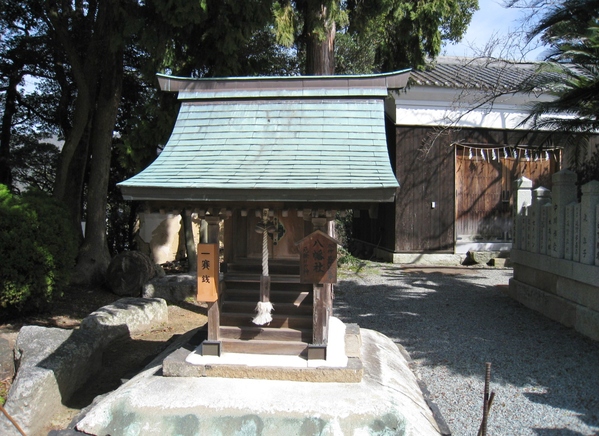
x,y
388,400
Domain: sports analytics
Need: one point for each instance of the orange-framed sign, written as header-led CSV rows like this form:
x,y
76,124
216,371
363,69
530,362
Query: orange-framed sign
x,y
207,273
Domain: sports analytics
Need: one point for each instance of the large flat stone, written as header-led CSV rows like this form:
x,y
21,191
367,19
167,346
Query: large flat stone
x,y
388,400
125,316
52,364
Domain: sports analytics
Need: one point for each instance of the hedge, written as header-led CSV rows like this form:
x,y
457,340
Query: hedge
x,y
37,250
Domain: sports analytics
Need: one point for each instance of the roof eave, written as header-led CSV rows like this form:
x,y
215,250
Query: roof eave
x,y
334,195
394,80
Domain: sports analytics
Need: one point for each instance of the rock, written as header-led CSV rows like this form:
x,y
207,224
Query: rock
x,y
172,288
7,368
480,257
52,363
498,262
125,316
128,272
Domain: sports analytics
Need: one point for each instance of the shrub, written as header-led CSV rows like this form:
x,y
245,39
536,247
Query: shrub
x,y
37,248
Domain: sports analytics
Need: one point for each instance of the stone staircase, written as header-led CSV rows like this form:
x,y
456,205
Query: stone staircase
x,y
290,331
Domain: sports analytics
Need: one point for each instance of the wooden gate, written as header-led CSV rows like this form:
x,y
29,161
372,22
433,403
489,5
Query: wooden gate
x,y
484,189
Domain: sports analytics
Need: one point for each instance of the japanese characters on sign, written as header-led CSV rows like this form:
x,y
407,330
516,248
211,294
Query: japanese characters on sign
x,y
318,259
208,269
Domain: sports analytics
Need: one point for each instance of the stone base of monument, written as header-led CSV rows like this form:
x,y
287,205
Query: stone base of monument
x,y
342,364
386,400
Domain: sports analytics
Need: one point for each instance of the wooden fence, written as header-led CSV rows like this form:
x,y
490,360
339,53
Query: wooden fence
x,y
555,251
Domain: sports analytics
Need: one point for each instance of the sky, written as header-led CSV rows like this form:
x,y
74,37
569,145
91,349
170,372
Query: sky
x,y
492,20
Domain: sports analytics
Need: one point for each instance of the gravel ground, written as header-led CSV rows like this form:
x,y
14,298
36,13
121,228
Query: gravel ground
x,y
453,320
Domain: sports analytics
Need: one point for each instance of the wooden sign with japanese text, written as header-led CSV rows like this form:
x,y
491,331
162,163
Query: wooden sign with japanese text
x,y
318,258
208,269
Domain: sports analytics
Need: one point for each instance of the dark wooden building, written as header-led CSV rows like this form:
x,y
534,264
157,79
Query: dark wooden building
x,y
456,155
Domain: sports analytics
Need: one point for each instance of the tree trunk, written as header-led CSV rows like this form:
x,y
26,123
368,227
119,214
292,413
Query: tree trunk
x,y
94,256
84,65
10,109
319,33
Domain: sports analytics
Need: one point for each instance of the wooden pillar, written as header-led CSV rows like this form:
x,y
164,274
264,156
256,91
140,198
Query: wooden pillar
x,y
213,229
323,293
214,307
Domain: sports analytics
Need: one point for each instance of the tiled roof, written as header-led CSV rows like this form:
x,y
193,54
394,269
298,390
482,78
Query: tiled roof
x,y
473,74
240,145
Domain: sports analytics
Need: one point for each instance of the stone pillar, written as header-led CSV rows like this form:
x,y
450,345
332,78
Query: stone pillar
x,y
569,232
576,233
597,235
564,193
540,197
588,211
523,198
545,231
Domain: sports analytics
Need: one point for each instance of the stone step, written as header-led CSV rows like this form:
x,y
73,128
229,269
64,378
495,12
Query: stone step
x,y
277,282
289,348
277,266
282,334
303,307
278,321
276,296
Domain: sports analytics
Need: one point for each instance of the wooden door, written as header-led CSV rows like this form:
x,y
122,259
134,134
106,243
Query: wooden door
x,y
484,190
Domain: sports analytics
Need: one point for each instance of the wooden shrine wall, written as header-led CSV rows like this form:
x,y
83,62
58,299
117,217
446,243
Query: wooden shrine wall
x,y
247,242
424,207
443,195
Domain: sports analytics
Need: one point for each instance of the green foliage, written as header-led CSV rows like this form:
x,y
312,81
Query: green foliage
x,y
34,163
355,54
406,32
343,227
571,69
589,170
37,248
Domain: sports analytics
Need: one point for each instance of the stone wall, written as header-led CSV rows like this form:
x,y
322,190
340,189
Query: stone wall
x,y
555,254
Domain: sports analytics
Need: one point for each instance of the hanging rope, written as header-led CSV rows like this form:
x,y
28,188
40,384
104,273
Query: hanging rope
x,y
265,251
264,306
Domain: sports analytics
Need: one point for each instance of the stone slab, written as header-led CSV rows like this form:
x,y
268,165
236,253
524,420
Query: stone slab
x,y
388,400
566,312
125,316
53,363
174,288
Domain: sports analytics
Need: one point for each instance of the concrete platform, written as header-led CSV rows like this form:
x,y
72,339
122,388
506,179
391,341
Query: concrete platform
x,y
387,400
342,363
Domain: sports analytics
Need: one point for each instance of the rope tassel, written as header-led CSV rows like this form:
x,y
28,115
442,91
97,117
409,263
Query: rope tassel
x,y
264,306
263,313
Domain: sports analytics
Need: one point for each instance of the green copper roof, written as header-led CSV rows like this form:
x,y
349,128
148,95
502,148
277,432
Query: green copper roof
x,y
237,145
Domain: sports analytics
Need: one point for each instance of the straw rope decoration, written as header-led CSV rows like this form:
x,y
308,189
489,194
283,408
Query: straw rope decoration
x,y
264,306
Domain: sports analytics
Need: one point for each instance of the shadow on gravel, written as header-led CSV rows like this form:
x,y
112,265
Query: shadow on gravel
x,y
456,320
